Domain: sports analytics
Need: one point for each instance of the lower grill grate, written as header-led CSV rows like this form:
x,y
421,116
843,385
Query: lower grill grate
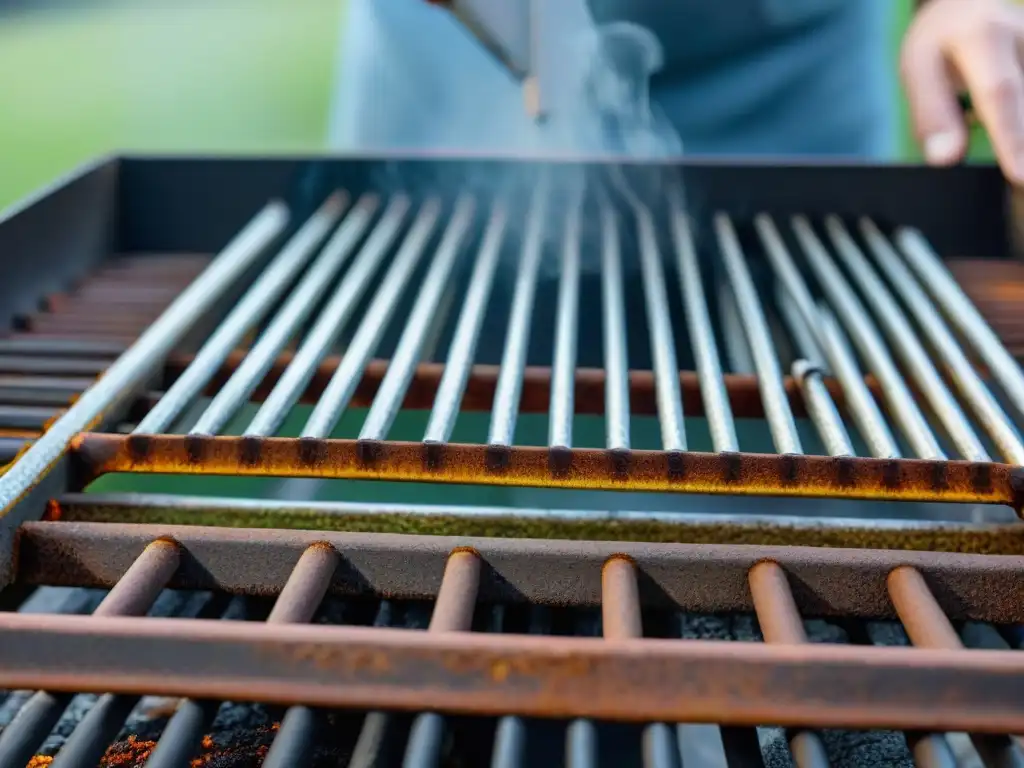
x,y
823,673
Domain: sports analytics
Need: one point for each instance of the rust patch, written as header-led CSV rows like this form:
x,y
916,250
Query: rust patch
x,y
788,469
891,474
732,467
1017,488
676,466
981,477
497,458
312,451
433,456
940,477
560,461
620,460
139,447
196,448
52,513
369,451
250,450
846,472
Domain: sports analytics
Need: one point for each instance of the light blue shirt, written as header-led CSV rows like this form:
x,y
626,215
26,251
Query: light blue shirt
x,y
763,77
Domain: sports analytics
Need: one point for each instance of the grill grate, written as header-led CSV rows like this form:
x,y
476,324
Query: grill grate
x,y
509,585
559,637
852,304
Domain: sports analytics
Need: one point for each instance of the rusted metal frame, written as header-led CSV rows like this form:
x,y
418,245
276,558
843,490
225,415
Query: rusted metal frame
x,y
825,582
128,374
588,396
97,454
739,527
453,612
928,627
491,674
132,595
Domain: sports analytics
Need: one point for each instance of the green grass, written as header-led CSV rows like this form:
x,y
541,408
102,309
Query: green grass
x,y
218,75
191,75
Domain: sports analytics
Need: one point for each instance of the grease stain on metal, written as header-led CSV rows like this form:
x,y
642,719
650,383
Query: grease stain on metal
x,y
981,478
196,448
312,451
732,467
891,474
139,447
250,450
940,476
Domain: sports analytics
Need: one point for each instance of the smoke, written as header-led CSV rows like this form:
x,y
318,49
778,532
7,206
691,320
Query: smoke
x,y
596,81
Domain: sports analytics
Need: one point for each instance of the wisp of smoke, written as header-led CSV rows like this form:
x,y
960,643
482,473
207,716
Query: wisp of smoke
x,y
599,104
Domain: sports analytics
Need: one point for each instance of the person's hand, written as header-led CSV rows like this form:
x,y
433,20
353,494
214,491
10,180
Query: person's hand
x,y
972,45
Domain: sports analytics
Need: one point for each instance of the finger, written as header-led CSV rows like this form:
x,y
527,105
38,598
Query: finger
x,y
934,110
992,71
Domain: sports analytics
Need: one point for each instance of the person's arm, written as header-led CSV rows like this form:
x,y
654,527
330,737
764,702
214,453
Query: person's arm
x,y
973,45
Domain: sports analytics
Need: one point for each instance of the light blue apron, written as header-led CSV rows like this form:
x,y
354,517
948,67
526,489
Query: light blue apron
x,y
765,77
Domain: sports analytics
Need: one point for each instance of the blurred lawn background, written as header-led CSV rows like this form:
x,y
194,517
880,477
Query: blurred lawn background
x,y
78,79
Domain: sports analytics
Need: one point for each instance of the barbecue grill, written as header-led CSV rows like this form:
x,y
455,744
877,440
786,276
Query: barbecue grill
x,y
707,405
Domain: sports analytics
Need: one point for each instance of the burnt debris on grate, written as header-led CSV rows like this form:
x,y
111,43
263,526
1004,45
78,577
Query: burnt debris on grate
x,y
492,627
875,374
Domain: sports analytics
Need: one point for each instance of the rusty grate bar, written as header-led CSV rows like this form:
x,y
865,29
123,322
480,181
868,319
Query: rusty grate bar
x,y
296,604
786,475
133,595
831,581
620,678
781,624
837,306
640,680
929,627
453,612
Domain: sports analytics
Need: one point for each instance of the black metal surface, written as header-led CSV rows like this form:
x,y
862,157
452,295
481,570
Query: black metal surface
x,y
57,236
197,204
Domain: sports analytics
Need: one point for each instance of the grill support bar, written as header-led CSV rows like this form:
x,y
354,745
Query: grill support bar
x,y
754,474
629,680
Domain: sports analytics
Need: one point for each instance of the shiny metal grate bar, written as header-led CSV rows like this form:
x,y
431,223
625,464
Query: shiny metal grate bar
x,y
840,308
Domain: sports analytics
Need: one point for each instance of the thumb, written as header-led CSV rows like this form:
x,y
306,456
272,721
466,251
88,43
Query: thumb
x,y
934,109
